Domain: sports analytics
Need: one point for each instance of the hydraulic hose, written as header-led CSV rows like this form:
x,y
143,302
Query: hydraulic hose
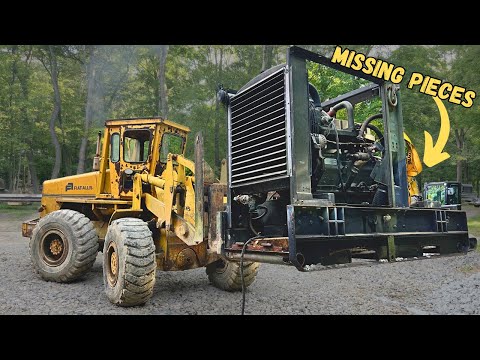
x,y
377,132
349,107
365,124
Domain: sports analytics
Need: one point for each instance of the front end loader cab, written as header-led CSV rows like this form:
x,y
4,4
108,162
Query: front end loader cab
x,y
444,194
137,146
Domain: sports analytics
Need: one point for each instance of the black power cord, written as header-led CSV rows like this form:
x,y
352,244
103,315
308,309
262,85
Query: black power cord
x,y
241,269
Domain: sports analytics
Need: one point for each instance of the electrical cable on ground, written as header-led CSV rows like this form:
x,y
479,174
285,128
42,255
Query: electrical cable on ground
x,y
241,269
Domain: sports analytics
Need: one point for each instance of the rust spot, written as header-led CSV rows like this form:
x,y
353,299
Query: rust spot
x,y
186,259
265,245
28,226
172,247
117,168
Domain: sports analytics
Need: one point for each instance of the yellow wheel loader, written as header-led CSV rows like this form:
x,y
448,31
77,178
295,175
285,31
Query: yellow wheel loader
x,y
414,168
143,206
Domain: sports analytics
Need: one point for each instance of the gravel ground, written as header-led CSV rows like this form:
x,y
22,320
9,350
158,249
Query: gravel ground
x,y
447,285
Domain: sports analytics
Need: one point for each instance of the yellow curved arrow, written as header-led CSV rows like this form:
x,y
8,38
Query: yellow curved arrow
x,y
434,155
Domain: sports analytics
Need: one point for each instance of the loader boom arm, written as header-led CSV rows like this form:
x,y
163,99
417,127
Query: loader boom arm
x,y
173,209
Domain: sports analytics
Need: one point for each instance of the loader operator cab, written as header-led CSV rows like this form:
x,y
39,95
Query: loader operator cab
x,y
139,146
136,146
447,194
171,143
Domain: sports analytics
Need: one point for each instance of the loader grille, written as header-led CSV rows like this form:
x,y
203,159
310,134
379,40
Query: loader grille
x,y
258,132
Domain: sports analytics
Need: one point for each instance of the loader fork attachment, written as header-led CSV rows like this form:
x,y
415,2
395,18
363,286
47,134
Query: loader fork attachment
x,y
199,188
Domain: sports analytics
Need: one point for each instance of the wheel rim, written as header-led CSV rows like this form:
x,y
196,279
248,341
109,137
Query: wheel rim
x,y
54,248
112,264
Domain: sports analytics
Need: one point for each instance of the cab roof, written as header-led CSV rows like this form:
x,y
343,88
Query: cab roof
x,y
145,121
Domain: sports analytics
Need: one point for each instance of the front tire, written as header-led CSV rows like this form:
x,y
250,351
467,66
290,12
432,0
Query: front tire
x,y
129,262
226,275
63,246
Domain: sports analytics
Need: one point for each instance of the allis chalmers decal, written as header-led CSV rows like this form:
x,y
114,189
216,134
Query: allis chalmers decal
x,y
70,186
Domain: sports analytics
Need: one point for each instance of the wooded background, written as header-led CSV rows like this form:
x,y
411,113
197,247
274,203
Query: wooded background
x,y
55,98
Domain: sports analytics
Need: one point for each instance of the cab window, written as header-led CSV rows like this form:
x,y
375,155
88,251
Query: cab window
x,y
136,146
115,147
452,195
171,143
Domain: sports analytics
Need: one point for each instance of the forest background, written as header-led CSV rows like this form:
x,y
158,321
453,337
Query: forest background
x,y
55,98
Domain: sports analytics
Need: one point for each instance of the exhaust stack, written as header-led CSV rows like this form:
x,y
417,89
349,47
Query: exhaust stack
x,y
96,158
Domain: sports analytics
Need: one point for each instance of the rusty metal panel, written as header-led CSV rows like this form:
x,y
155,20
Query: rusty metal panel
x,y
28,226
216,193
174,254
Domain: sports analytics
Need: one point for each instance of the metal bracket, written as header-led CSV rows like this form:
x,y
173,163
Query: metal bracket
x,y
391,248
292,248
199,189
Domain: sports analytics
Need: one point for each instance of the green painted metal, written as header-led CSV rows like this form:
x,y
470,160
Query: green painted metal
x,y
301,157
395,167
391,248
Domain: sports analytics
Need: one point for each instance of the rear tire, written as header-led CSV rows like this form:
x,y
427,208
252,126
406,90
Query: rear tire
x,y
226,275
129,262
63,246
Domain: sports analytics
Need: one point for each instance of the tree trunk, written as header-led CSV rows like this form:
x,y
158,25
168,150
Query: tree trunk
x,y
459,170
66,157
460,141
120,83
33,170
11,177
57,107
11,124
162,83
267,57
89,109
466,175
218,116
19,173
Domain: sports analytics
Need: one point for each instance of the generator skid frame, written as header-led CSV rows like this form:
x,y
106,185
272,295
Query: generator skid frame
x,y
275,204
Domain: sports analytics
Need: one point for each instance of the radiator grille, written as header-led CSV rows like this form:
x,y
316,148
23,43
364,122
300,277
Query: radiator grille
x,y
258,136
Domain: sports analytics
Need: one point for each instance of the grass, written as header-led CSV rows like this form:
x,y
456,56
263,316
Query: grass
x,y
468,269
19,210
474,227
